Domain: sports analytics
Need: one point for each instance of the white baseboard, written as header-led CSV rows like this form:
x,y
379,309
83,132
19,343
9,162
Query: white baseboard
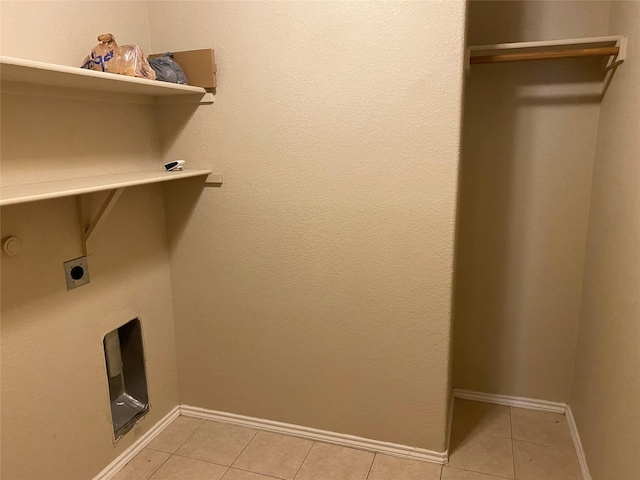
x,y
121,460
534,404
318,435
344,439
582,459
520,402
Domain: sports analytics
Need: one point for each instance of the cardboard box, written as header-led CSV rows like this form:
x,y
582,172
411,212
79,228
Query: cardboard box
x,y
198,65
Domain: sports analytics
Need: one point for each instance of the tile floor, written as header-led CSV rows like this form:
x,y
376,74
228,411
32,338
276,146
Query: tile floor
x,y
488,442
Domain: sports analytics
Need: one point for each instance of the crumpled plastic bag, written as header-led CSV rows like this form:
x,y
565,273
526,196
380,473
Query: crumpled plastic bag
x,y
129,60
167,69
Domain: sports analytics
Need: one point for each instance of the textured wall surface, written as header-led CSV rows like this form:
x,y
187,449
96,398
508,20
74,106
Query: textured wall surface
x,y
605,397
314,286
528,148
64,32
56,421
47,136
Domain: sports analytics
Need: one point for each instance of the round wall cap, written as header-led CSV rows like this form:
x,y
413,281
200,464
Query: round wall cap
x,y
11,246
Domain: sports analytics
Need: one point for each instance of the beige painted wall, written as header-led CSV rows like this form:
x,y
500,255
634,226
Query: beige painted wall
x,y
314,287
605,397
64,32
528,148
56,422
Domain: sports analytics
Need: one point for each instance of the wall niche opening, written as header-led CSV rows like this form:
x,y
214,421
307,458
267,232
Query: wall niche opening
x,y
128,393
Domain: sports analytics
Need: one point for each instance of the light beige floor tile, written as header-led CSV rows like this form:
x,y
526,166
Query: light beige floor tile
x,y
142,466
449,473
175,434
217,442
330,462
273,454
478,418
386,467
546,462
181,468
482,454
547,428
234,474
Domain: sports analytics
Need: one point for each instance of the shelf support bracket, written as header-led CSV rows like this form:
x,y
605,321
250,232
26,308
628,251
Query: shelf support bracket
x,y
614,63
99,220
616,60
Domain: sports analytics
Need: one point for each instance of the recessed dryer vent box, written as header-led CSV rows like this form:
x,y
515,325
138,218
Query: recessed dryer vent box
x,y
128,393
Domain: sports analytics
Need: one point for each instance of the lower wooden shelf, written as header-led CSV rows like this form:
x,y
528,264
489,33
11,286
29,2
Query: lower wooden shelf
x,y
79,186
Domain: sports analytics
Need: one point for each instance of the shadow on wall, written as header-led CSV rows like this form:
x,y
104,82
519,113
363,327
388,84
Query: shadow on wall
x,y
172,119
131,245
181,197
515,217
468,260
550,82
46,138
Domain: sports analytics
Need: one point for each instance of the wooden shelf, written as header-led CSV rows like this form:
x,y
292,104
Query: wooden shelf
x,y
79,186
39,73
612,46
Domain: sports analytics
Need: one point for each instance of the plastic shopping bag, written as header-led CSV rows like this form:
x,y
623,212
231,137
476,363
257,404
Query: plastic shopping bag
x,y
129,60
167,69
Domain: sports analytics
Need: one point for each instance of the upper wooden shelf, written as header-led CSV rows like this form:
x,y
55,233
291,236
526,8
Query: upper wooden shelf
x,y
611,46
79,186
40,73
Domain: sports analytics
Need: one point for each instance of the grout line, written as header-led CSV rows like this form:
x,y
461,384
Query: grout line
x,y
510,438
189,437
155,450
200,460
156,470
170,454
186,440
567,445
304,460
249,471
371,466
513,453
245,447
479,473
